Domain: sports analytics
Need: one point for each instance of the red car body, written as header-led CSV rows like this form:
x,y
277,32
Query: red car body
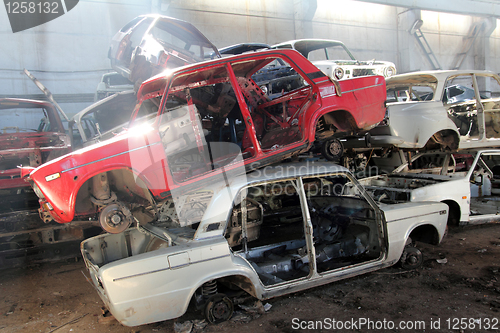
x,y
31,133
202,121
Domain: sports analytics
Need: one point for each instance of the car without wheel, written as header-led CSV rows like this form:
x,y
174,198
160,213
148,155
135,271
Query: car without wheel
x,y
31,134
468,181
196,122
439,110
103,119
272,232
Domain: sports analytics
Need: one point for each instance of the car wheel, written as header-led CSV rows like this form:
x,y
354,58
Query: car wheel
x,y
115,218
411,258
332,150
218,309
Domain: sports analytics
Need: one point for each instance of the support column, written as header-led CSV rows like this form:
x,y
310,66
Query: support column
x,y
482,58
409,55
303,14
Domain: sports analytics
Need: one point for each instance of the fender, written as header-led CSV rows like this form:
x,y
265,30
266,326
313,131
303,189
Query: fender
x,y
62,186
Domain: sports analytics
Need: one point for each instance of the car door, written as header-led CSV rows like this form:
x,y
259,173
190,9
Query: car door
x,y
459,98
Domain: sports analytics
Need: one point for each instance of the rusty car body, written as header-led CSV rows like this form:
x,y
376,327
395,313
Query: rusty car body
x,y
196,122
32,133
335,59
272,232
152,43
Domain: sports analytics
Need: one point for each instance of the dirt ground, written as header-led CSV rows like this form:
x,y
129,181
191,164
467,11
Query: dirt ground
x,y
57,297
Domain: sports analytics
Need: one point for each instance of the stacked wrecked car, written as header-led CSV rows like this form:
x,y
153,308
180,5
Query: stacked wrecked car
x,y
198,122
198,188
270,232
32,132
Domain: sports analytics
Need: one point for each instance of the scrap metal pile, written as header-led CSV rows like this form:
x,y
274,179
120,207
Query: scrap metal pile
x,y
191,171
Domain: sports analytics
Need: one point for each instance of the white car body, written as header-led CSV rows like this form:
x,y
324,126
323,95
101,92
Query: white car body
x,y
439,109
103,119
246,238
334,59
112,83
466,182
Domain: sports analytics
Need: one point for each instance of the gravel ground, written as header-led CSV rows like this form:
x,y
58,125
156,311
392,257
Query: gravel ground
x,y
466,284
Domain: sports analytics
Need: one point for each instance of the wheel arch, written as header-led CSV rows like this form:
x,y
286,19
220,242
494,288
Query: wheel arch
x,y
127,183
448,136
237,279
341,119
454,212
425,233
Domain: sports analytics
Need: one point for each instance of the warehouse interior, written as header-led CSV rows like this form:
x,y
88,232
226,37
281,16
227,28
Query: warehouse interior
x,y
69,54
250,190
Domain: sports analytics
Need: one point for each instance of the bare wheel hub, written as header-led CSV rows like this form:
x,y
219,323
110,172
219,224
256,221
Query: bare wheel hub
x,y
332,149
115,218
218,308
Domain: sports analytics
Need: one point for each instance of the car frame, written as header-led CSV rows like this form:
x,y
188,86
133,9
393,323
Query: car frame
x,y
30,146
467,181
338,69
145,163
238,240
445,115
138,53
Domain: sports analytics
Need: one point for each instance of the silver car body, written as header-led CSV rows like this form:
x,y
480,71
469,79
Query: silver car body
x,y
423,112
148,274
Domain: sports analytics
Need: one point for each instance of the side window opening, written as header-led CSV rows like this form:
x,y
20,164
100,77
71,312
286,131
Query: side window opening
x,y
410,93
287,93
202,127
345,228
460,98
489,93
267,228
